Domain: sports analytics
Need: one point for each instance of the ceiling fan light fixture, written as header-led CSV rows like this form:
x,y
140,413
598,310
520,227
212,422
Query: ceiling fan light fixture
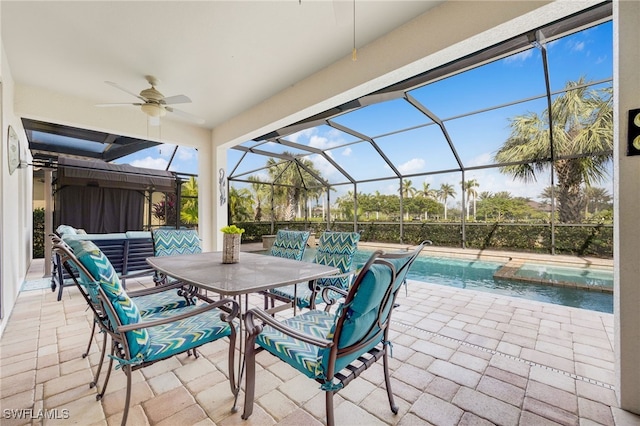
x,y
153,110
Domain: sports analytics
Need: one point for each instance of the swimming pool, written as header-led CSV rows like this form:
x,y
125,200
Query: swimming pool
x,y
479,275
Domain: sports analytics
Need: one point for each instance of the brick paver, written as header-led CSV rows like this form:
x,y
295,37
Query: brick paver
x,y
461,357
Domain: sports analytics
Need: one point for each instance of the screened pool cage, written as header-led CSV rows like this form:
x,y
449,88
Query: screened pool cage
x,y
459,154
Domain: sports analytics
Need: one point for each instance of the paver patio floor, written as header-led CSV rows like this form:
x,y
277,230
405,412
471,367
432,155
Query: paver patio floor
x,y
460,357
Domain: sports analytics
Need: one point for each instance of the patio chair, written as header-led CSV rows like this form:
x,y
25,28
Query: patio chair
x,y
334,348
334,249
171,242
137,342
151,302
290,244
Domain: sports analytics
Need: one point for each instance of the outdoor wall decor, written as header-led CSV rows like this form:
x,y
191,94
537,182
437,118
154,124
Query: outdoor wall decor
x,y
222,186
13,150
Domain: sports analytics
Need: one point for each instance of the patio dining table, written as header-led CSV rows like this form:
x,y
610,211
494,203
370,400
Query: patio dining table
x,y
253,273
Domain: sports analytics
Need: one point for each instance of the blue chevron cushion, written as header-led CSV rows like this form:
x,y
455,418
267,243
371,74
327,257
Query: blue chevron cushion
x,y
179,336
170,242
290,244
337,249
160,302
127,311
334,249
302,356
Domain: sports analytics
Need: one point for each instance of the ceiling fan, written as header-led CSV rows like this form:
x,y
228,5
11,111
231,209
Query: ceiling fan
x,y
155,104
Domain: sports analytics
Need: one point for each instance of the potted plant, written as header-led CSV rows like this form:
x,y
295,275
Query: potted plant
x,y
231,243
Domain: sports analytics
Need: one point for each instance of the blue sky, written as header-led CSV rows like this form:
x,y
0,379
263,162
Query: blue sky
x,y
424,149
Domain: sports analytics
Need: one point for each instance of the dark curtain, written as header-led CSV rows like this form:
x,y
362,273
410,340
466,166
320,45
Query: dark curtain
x,y
99,210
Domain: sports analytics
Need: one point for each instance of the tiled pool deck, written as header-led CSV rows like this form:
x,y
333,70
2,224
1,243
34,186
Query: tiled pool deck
x,y
461,357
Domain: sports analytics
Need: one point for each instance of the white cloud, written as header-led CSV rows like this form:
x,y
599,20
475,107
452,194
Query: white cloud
x,y
306,133
577,47
186,154
414,165
347,151
480,160
151,163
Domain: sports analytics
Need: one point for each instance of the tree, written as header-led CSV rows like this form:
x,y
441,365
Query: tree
x,y
597,198
240,204
189,210
260,194
427,192
469,187
583,143
293,181
407,190
445,192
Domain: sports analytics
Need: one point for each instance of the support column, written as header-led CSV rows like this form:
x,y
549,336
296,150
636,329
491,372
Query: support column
x,y
206,197
48,219
626,207
221,200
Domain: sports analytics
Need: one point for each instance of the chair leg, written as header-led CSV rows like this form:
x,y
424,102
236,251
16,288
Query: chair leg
x,y
106,379
101,361
329,408
127,400
387,382
93,331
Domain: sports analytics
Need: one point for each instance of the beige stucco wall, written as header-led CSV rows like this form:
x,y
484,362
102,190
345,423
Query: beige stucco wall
x,y
15,204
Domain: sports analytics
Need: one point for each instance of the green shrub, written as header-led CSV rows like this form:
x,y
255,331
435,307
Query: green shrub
x,y
38,233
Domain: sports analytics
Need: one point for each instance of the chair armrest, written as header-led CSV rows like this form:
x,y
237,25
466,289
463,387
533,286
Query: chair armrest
x,y
254,329
156,289
218,304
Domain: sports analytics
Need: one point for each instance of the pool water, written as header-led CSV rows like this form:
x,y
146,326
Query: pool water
x,y
478,275
592,277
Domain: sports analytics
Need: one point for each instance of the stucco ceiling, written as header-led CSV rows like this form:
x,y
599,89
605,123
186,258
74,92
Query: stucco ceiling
x,y
225,55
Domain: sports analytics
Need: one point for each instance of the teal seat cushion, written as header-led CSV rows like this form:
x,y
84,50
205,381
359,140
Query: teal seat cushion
x,y
160,302
171,242
182,335
303,294
290,244
90,256
302,356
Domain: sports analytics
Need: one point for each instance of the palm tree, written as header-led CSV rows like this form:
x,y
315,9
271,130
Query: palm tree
x,y
426,192
596,196
445,192
407,190
189,210
258,187
240,204
583,143
294,180
469,187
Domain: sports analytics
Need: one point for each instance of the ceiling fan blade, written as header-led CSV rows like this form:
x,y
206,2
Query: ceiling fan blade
x,y
117,86
185,115
177,99
118,104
